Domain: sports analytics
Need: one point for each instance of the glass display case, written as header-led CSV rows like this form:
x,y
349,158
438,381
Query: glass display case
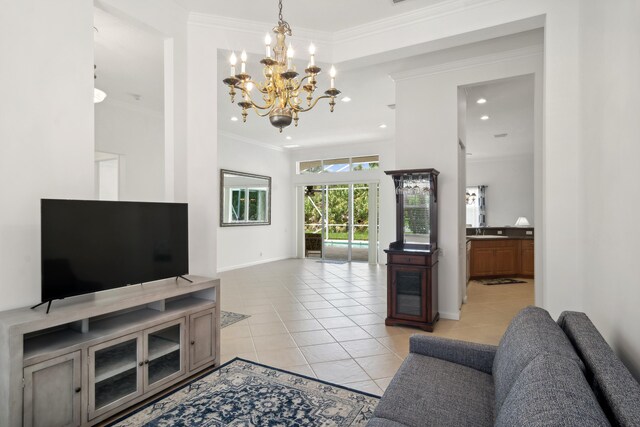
x,y
412,259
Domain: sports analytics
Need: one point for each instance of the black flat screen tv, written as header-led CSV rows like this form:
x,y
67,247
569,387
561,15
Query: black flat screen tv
x,y
91,246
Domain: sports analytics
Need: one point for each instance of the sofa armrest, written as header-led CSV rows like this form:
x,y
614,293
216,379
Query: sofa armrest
x,y
476,356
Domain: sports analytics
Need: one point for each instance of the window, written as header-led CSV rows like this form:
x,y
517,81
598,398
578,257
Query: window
x,y
365,163
336,165
345,164
312,166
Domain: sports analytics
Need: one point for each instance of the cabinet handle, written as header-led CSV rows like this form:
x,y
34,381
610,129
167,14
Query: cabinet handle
x,y
146,362
141,363
193,343
78,390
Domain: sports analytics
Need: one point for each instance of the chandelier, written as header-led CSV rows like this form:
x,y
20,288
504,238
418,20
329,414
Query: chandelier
x,y
281,89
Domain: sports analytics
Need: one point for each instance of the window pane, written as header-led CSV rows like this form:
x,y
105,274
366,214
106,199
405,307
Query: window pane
x,y
312,166
365,163
336,165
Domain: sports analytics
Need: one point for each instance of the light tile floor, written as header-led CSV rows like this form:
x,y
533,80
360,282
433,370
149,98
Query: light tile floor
x,y
327,320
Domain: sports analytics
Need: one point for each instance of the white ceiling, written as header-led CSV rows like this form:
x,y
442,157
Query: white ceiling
x,y
129,62
322,15
372,90
510,109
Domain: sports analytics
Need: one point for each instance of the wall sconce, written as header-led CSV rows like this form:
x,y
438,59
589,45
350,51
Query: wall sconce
x,y
522,222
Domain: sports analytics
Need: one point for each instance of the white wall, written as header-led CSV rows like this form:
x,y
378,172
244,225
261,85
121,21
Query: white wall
x,y
46,128
249,245
137,134
509,184
427,104
609,155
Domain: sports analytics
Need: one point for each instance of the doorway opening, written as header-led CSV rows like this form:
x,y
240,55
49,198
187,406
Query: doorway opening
x,y
497,142
341,222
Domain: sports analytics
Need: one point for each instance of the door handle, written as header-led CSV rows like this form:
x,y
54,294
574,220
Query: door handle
x,y
78,390
193,343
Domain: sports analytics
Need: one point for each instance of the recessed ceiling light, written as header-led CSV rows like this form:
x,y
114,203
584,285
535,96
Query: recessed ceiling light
x,y
382,126
484,118
481,101
289,137
346,99
291,146
234,119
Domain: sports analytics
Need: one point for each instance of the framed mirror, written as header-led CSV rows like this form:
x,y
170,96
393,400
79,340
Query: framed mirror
x,y
245,199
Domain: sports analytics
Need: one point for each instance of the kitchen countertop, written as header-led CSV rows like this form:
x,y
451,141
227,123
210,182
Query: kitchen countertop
x,y
498,237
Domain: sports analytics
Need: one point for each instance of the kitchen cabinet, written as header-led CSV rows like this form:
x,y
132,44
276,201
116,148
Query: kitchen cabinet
x,y
501,258
527,268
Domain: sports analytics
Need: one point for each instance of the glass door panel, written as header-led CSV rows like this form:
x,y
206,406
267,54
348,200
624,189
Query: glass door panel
x,y
164,354
408,293
313,220
360,243
115,373
337,238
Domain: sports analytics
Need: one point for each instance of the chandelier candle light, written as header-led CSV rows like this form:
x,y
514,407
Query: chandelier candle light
x,y
281,88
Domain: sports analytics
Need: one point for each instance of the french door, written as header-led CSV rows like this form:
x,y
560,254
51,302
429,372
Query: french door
x,y
341,222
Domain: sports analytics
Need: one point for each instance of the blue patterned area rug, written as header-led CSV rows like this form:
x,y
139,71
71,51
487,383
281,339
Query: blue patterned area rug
x,y
242,394
228,318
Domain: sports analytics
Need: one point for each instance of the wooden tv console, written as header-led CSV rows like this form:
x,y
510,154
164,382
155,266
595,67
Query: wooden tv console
x,y
95,355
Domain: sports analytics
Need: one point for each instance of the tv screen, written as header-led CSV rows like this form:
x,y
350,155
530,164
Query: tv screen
x,y
90,246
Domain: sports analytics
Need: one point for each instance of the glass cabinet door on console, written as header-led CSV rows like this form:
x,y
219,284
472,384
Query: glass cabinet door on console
x,y
115,374
164,354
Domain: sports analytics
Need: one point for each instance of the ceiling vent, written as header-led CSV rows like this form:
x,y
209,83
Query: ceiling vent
x,y
500,135
392,106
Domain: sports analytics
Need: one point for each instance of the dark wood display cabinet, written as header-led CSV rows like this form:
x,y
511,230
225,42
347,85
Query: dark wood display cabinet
x,y
412,260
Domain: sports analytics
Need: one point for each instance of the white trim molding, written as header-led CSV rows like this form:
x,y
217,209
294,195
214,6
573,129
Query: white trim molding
x,y
418,16
509,55
236,137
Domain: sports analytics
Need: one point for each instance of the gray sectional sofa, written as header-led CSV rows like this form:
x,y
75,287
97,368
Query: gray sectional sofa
x,y
543,373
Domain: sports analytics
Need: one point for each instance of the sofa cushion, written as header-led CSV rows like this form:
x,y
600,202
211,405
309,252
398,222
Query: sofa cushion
x,y
531,332
551,391
434,392
614,386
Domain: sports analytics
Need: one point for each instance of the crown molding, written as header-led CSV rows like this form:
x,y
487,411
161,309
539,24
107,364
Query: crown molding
x,y
418,16
509,55
244,139
254,27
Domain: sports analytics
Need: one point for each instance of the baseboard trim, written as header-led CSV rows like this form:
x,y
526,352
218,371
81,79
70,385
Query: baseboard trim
x,y
251,264
450,316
